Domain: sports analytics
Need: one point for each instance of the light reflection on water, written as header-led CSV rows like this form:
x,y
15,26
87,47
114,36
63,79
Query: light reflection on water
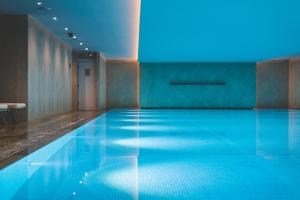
x,y
166,154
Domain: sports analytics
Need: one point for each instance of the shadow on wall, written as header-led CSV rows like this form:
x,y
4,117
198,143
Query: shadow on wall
x,y
13,61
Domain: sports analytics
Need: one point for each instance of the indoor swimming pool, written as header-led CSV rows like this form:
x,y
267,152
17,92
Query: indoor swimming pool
x,y
166,154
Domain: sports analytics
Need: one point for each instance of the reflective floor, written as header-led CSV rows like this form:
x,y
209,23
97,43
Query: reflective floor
x,y
19,140
166,154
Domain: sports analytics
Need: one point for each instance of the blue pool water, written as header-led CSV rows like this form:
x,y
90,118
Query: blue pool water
x,y
166,154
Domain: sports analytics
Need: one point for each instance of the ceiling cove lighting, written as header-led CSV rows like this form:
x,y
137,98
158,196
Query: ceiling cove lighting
x,y
136,28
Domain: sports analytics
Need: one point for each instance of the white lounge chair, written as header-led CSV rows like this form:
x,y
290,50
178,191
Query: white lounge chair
x,y
12,108
3,108
16,106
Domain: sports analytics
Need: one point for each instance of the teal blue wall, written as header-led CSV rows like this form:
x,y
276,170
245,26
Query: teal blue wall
x,y
239,91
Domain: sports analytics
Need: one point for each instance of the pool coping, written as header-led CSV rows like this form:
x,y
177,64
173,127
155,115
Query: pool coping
x,y
46,134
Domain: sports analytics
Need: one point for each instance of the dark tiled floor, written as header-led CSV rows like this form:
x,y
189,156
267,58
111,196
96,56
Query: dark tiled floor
x,y
17,141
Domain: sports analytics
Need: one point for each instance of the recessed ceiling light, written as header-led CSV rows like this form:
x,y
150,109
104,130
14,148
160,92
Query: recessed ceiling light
x,y
86,49
70,35
54,18
39,3
66,29
43,8
81,43
74,37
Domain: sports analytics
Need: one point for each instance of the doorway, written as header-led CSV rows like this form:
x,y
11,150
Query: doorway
x,y
87,85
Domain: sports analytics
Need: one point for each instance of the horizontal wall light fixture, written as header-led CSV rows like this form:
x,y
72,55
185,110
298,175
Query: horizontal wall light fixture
x,y
186,83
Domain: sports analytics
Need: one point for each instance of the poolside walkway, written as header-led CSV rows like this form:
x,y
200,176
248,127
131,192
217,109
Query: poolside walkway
x,y
17,141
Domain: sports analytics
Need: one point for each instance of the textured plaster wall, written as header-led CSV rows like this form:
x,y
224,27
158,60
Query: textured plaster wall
x,y
294,84
121,84
49,73
156,91
273,84
74,81
101,82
